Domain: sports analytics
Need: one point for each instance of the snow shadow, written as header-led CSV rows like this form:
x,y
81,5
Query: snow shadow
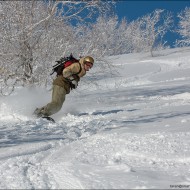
x,y
102,112
162,91
155,118
26,132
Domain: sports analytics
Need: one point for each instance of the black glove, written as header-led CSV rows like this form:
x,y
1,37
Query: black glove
x,y
73,82
76,77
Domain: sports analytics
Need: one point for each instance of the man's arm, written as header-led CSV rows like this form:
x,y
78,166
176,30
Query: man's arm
x,y
71,70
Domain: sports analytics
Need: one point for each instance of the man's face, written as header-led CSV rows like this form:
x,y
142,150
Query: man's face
x,y
88,66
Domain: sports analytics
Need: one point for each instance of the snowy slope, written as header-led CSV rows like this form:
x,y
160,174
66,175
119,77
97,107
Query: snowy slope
x,y
130,131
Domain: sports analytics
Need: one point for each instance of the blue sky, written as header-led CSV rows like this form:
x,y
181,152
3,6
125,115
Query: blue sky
x,y
133,9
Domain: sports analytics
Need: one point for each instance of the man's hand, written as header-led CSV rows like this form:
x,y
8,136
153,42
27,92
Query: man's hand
x,y
75,83
76,77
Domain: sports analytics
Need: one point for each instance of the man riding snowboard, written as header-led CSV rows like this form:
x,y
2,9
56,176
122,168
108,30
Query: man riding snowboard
x,y
62,85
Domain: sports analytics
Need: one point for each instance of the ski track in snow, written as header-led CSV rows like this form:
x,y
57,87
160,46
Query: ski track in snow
x,y
135,136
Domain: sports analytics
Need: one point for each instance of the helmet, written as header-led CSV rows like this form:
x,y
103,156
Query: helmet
x,y
89,59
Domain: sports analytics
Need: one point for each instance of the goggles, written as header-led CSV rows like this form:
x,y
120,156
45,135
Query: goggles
x,y
89,64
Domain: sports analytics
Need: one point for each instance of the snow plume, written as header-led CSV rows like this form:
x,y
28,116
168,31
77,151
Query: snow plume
x,y
21,104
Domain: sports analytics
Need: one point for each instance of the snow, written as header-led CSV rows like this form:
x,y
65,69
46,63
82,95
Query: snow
x,y
131,131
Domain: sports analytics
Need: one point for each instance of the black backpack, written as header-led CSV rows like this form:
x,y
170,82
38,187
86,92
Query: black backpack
x,y
63,63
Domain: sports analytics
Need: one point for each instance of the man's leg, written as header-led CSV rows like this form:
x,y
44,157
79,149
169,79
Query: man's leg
x,y
58,97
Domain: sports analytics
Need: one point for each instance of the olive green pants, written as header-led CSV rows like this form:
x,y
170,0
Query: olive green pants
x,y
58,97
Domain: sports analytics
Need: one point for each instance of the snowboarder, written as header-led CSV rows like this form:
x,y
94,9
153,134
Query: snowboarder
x,y
62,85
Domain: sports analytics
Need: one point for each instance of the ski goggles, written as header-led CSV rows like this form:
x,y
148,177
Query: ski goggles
x,y
89,64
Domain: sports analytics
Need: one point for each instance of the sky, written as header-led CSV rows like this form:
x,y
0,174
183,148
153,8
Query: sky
x,y
132,10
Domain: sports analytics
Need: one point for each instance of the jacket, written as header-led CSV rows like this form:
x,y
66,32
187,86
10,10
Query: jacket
x,y
73,69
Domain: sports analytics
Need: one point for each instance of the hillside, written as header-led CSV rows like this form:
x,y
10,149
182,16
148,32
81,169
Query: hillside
x,y
129,131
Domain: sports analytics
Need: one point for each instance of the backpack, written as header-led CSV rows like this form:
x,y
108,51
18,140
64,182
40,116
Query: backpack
x,y
63,63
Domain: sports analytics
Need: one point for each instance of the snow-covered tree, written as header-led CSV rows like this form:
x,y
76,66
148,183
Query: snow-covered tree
x,y
125,39
184,27
22,25
102,36
147,32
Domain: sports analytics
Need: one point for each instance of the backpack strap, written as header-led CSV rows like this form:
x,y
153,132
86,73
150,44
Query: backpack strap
x,y
80,68
75,77
76,74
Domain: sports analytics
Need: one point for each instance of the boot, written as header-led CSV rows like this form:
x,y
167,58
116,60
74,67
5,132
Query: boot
x,y
38,113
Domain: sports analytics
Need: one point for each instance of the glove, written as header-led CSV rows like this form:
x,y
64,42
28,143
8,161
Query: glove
x,y
74,83
76,77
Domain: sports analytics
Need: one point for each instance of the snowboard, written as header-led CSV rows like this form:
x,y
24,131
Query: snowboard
x,y
49,118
